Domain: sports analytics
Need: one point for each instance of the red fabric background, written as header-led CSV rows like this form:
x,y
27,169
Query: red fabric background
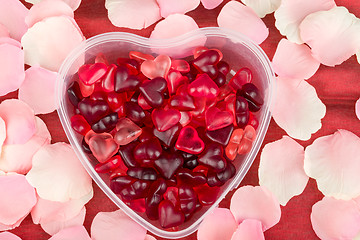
x,y
337,87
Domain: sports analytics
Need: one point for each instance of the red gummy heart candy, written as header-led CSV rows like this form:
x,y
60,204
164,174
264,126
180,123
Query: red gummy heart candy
x,y
168,164
91,73
217,119
206,62
180,65
124,81
187,199
169,216
247,140
153,91
103,146
189,141
158,67
233,146
108,80
175,79
213,157
127,131
182,100
203,86
79,124
113,163
165,119
243,76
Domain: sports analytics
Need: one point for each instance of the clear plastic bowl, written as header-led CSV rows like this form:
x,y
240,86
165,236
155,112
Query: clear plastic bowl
x,y
238,51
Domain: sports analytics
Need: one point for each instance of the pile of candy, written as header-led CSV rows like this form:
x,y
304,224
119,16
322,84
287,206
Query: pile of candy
x,y
166,130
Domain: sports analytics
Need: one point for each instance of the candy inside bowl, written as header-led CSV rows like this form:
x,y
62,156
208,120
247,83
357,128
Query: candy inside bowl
x,y
166,128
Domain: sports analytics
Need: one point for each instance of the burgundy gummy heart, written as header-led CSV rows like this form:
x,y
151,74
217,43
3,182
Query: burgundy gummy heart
x,y
156,191
93,110
187,199
169,136
213,157
149,150
165,119
91,73
191,178
206,62
168,164
153,91
217,119
189,141
222,135
124,81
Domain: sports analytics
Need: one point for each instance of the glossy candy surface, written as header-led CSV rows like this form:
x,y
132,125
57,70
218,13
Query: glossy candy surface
x,y
165,131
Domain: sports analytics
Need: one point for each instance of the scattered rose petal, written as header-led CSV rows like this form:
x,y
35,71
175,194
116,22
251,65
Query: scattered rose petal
x,y
219,224
38,90
334,162
335,219
110,225
262,7
249,229
211,4
149,237
139,14
12,16
2,133
168,7
294,61
74,4
3,31
357,108
18,157
47,8
58,175
292,12
281,169
8,236
255,203
165,28
48,42
72,233
19,198
46,211
303,116
236,16
11,67
19,120
4,227
11,41
321,31
57,225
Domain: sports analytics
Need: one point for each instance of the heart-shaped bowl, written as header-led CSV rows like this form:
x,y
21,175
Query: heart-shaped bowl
x,y
237,50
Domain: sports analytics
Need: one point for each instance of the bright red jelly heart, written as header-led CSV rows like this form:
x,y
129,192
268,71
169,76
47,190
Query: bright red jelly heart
x,y
164,130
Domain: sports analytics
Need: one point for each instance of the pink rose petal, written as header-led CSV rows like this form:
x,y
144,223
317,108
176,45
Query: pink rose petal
x,y
18,157
149,237
74,4
249,229
262,7
321,31
12,16
168,7
294,61
47,8
334,162
291,13
165,28
8,236
256,203
4,32
46,211
139,14
335,219
10,41
72,233
357,108
55,226
110,225
303,116
2,134
4,227
281,169
38,90
19,199
58,175
11,67
236,16
219,224
211,4
48,42
19,120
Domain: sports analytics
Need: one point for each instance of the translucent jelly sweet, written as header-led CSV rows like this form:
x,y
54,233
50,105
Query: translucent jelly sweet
x,y
161,131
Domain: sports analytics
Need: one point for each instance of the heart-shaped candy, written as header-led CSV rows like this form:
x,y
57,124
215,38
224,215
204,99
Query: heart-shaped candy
x,y
217,119
243,76
124,81
187,199
93,110
175,79
206,63
180,65
91,73
203,86
103,146
127,131
189,141
169,136
108,80
158,67
182,100
168,163
213,157
191,178
152,201
148,150
233,146
106,124
165,119
169,216
153,91
221,135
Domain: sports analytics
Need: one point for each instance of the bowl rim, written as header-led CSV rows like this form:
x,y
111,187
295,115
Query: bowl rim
x,y
159,43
